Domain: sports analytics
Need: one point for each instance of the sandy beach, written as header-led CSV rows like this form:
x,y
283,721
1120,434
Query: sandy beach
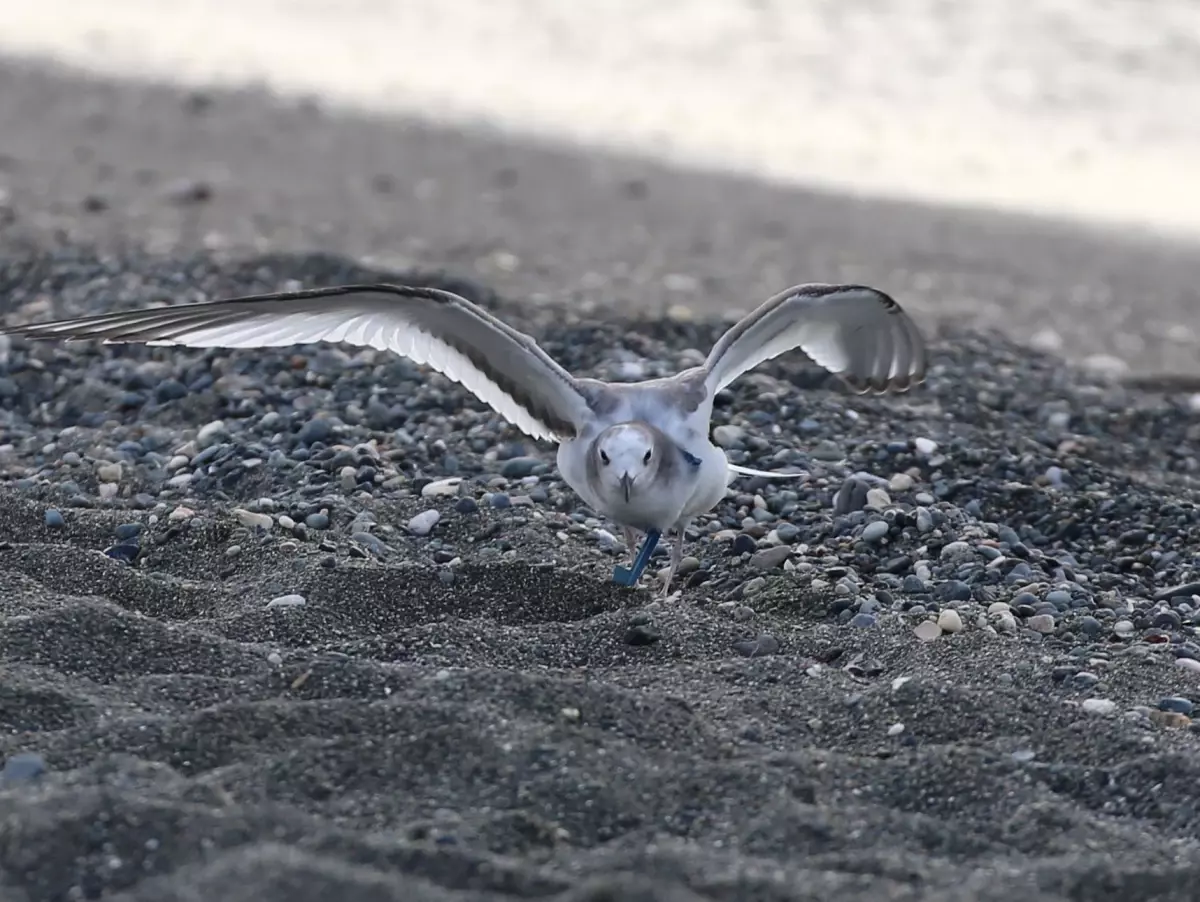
x,y
312,624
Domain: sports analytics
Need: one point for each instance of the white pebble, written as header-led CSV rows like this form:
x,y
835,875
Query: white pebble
x,y
927,631
878,499
109,472
287,601
1101,706
727,436
955,549
949,621
901,482
1188,664
251,520
286,522
895,729
180,513
442,487
210,433
422,524
275,658
107,491
925,446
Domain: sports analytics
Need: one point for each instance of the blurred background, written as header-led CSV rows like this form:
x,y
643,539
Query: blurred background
x,y
685,153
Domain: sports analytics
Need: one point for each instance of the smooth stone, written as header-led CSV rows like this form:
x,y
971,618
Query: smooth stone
x,y
287,601
878,499
252,519
901,482
423,523
54,519
1099,706
949,621
875,531
927,631
440,487
956,549
862,620
21,768
728,436
770,558
1176,704
1041,623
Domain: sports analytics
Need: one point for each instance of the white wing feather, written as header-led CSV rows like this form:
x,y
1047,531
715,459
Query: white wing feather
x,y
857,332
504,368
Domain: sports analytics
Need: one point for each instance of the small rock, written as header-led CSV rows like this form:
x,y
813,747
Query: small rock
x,y
878,499
1099,706
770,558
901,482
252,519
287,601
927,631
109,472
1176,704
423,523
875,531
764,644
21,768
1041,623
54,519
727,436
441,487
949,621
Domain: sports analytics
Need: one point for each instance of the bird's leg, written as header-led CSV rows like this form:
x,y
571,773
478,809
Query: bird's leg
x,y
628,576
676,558
630,540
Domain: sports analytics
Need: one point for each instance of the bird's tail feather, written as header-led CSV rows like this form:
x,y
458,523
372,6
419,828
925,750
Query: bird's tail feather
x,y
750,471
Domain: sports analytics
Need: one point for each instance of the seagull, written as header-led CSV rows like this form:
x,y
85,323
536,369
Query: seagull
x,y
638,453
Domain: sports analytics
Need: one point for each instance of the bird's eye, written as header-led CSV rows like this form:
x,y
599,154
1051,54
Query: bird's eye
x,y
646,459
604,456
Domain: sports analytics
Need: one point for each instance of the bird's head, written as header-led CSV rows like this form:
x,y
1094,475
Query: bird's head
x,y
625,459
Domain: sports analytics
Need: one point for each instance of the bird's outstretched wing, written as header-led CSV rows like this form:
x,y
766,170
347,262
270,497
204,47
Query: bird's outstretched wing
x,y
504,368
857,332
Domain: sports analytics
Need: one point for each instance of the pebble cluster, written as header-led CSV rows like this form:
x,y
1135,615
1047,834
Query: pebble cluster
x,y
1005,496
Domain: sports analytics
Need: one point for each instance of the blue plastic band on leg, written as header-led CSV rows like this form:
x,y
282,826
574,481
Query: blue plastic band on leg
x,y
626,576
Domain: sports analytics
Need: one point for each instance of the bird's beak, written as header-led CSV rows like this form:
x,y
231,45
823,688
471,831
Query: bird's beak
x,y
626,485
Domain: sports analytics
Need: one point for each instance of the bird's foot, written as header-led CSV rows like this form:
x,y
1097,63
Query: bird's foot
x,y
628,576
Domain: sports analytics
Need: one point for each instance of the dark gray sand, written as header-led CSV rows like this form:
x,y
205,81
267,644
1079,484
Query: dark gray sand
x,y
473,710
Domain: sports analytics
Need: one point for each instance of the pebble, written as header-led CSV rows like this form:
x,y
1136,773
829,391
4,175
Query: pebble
x,y
423,523
1041,623
1176,704
253,519
770,558
287,601
22,768
440,487
762,645
875,531
54,519
927,631
1099,706
949,621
